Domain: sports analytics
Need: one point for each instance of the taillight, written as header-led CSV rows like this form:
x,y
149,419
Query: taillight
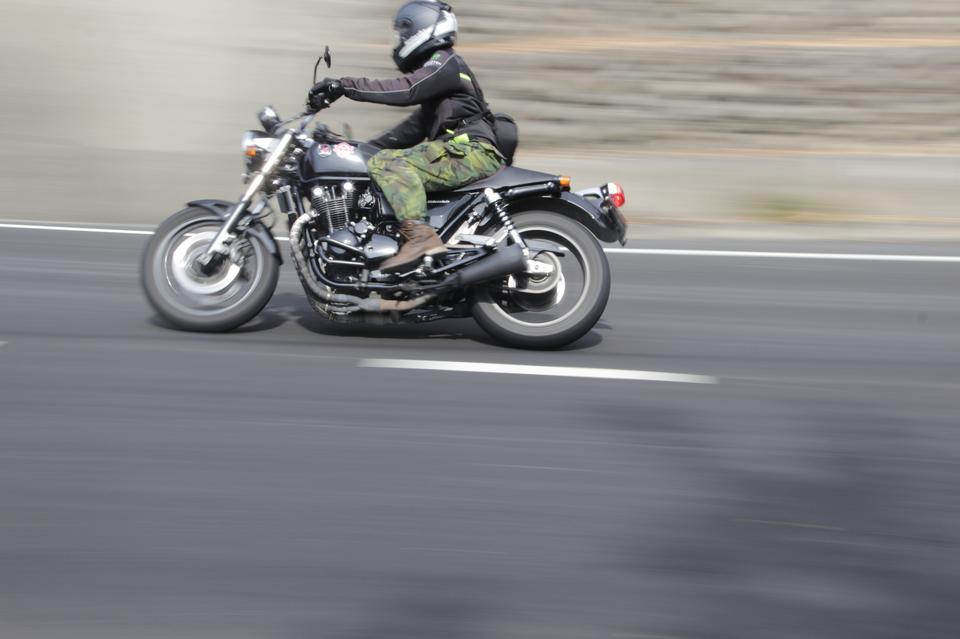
x,y
617,197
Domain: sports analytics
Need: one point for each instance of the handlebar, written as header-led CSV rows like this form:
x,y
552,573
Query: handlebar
x,y
328,100
308,116
308,120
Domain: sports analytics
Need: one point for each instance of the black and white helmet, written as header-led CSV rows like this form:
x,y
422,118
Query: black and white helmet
x,y
421,27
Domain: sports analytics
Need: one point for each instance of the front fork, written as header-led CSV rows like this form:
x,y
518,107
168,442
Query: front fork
x,y
220,246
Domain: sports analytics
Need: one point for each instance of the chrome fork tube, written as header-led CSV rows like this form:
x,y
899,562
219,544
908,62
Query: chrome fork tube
x,y
219,244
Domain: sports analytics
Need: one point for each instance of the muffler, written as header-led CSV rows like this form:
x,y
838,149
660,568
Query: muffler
x,y
504,262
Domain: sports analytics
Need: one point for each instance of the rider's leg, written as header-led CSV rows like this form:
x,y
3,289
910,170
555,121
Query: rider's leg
x,y
406,176
397,175
400,182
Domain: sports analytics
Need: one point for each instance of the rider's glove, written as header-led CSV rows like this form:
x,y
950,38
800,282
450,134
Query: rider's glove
x,y
324,93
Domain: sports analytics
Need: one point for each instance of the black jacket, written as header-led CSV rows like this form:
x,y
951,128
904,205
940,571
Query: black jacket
x,y
450,97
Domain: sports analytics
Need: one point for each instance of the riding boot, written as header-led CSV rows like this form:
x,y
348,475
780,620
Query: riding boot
x,y
420,240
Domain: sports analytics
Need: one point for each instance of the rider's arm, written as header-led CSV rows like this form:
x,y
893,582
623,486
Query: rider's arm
x,y
406,134
439,77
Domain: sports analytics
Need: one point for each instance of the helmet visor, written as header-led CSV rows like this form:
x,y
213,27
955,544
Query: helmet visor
x,y
402,30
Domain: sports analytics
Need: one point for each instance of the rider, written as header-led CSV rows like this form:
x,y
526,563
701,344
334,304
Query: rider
x,y
453,118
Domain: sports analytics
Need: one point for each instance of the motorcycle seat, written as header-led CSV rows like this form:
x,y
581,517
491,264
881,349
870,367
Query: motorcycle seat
x,y
506,177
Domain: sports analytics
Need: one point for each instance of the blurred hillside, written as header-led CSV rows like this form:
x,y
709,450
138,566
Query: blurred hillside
x,y
115,107
692,73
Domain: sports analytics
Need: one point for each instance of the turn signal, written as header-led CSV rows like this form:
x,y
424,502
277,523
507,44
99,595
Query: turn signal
x,y
565,182
617,197
251,152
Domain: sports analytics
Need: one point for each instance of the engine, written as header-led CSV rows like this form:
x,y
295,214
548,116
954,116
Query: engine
x,y
334,204
348,242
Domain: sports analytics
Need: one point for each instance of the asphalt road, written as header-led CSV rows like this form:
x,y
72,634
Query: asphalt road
x,y
261,484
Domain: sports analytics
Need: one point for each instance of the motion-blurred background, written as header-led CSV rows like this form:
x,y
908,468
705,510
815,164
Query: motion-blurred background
x,y
726,116
270,483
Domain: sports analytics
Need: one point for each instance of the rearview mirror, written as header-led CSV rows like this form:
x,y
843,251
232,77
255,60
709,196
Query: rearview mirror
x,y
326,57
269,119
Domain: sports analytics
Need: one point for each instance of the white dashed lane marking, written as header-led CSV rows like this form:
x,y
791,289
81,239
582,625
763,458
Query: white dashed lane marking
x,y
537,371
865,257
74,229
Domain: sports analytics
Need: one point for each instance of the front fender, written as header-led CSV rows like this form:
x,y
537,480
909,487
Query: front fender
x,y
608,226
221,208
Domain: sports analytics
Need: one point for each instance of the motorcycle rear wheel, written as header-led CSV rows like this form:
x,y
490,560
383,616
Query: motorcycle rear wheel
x,y
190,300
541,317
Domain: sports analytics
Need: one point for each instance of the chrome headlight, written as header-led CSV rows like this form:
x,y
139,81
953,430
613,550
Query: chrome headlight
x,y
249,140
256,146
258,142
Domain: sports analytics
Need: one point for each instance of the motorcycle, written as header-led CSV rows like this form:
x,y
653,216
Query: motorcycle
x,y
523,257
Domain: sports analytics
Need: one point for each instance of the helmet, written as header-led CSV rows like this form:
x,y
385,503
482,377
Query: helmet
x,y
422,27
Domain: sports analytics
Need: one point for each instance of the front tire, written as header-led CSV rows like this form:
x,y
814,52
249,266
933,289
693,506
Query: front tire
x,y
548,318
189,300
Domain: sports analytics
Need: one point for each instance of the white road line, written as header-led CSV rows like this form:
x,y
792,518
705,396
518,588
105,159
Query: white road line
x,y
790,256
74,229
556,468
540,371
863,257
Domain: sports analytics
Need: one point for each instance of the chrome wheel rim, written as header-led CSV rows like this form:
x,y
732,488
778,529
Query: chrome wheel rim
x,y
189,290
511,303
185,274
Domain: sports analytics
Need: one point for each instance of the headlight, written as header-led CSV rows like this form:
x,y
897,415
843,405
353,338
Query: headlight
x,y
256,146
249,140
257,142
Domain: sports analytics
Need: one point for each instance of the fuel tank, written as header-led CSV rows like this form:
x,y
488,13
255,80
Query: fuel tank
x,y
332,161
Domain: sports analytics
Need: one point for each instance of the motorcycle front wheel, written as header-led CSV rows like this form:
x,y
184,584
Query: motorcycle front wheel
x,y
191,300
557,306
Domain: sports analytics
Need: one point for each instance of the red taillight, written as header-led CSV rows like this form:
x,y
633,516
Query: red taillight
x,y
617,197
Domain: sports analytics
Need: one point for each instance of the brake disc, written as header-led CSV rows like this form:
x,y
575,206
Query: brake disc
x,y
539,293
189,278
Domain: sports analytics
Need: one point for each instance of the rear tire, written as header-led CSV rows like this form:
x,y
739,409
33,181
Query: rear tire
x,y
224,301
491,306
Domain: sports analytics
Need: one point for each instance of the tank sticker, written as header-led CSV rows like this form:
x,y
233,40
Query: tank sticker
x,y
324,150
345,151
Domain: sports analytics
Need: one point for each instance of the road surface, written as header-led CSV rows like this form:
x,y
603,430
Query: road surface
x,y
797,478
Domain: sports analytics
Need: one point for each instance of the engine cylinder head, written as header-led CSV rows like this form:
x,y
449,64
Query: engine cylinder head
x,y
334,204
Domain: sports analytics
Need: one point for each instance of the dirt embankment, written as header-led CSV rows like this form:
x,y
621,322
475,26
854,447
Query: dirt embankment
x,y
717,110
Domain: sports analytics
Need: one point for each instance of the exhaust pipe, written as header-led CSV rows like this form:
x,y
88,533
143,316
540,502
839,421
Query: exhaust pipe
x,y
321,292
352,302
504,262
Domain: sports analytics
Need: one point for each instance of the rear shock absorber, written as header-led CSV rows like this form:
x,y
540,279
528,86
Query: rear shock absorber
x,y
500,206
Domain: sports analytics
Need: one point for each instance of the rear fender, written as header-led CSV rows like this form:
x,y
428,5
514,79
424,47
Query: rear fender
x,y
221,208
608,226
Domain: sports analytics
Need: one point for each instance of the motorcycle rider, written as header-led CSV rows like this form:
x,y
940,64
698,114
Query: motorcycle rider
x,y
448,143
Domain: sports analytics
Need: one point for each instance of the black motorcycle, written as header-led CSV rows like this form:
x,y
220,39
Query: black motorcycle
x,y
522,252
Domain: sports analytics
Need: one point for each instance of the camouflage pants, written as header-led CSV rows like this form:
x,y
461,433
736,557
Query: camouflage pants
x,y
406,175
